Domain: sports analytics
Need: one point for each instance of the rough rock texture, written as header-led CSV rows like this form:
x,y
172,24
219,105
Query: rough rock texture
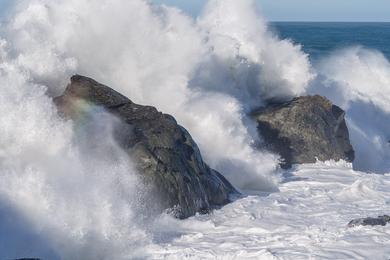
x,y
379,221
166,156
304,129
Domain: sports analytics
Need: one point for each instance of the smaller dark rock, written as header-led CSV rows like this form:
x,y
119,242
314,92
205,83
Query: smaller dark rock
x,y
304,130
379,221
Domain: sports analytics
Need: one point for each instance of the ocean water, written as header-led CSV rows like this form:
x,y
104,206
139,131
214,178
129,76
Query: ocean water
x,y
320,39
57,200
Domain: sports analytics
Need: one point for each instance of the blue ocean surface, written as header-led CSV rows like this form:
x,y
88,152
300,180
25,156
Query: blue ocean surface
x,y
322,38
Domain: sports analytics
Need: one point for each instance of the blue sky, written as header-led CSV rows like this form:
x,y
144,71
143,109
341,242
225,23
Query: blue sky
x,y
297,10
3,6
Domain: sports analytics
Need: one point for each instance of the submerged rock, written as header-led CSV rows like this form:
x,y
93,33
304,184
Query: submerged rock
x,y
379,221
166,156
304,130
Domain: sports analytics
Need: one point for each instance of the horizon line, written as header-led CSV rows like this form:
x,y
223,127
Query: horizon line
x,y
308,21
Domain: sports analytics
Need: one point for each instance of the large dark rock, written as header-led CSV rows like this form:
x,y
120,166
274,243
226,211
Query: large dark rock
x,y
167,158
379,221
305,129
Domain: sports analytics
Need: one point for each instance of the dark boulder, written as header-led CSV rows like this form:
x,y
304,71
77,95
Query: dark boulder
x,y
166,156
304,130
379,221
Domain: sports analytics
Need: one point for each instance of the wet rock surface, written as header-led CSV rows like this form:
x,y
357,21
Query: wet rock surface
x,y
166,156
304,130
379,221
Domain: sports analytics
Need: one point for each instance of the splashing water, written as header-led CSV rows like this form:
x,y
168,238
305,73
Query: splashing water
x,y
59,186
57,182
358,80
166,65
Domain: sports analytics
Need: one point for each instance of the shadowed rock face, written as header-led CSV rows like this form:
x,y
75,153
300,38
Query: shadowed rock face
x,y
167,158
304,129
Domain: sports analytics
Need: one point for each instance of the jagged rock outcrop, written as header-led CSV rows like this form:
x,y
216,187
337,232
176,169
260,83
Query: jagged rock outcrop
x,y
166,156
305,129
379,221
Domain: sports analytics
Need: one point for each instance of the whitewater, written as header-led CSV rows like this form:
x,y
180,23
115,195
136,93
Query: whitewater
x,y
306,219
57,200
